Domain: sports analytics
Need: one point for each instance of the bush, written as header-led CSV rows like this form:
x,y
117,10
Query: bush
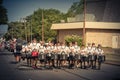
x,y
73,38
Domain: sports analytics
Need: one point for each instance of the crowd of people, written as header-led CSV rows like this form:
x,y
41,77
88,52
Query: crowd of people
x,y
60,55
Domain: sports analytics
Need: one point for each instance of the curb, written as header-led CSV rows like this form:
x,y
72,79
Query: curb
x,y
115,63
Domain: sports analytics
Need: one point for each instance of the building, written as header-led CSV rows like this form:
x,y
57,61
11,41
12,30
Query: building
x,y
102,24
104,10
107,34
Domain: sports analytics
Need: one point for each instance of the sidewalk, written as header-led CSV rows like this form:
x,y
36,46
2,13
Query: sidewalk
x,y
113,59
116,63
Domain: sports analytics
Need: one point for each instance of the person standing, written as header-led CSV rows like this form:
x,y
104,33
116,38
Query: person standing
x,y
89,55
94,55
63,55
83,57
58,51
41,56
48,56
34,47
100,55
77,55
71,55
18,47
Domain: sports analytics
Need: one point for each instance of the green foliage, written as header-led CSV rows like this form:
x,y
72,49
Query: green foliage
x,y
49,16
34,21
73,38
15,29
76,8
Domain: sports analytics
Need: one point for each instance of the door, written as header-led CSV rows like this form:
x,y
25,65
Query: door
x,y
114,41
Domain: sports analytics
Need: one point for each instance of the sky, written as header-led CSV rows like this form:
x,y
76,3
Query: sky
x,y
21,8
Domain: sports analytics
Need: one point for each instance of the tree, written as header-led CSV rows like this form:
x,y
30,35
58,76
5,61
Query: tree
x,y
3,14
73,38
76,8
34,21
15,30
50,16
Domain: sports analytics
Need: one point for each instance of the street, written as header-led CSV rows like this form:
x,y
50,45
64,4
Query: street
x,y
10,71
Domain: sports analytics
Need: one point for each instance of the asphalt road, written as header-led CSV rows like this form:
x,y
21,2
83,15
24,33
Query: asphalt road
x,y
11,71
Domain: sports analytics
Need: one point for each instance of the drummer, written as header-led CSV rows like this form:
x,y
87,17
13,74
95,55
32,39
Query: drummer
x,y
71,55
77,54
100,55
48,55
63,57
52,52
24,51
83,57
58,52
89,55
94,55
34,47
41,56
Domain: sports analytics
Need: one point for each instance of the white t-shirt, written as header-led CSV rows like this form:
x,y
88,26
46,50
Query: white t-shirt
x,y
83,52
70,49
47,49
34,46
64,49
23,48
41,48
76,48
58,48
88,49
93,50
99,51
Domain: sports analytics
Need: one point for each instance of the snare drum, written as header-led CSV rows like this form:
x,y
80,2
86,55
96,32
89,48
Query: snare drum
x,y
41,56
63,56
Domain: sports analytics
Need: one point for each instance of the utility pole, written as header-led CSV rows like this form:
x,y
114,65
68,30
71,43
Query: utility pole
x,y
31,29
84,24
25,28
12,32
23,21
42,26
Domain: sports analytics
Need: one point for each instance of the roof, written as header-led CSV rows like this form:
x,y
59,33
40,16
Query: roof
x,y
89,25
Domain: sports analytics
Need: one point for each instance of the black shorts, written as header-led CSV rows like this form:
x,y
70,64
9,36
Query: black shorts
x,y
83,58
42,60
17,54
58,57
48,58
34,57
23,55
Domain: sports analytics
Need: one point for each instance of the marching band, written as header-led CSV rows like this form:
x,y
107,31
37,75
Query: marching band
x,y
62,56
